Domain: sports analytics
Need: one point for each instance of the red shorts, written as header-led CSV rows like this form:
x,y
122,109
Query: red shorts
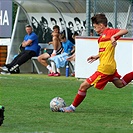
x,y
99,80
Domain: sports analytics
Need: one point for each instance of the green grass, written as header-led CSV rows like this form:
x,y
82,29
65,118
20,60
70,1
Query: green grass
x,y
26,99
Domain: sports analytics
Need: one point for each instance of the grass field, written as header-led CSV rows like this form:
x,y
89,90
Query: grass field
x,y
26,99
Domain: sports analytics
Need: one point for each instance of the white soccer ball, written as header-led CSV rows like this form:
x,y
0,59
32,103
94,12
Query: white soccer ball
x,y
57,103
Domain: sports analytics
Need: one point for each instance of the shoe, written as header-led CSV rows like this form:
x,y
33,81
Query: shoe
x,y
16,71
5,73
4,68
56,74
2,109
51,74
66,109
14,67
73,74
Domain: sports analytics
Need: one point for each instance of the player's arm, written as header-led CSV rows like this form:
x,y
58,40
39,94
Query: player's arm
x,y
93,58
55,43
117,35
26,43
50,42
73,50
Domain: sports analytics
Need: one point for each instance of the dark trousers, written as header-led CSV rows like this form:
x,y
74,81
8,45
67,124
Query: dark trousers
x,y
21,58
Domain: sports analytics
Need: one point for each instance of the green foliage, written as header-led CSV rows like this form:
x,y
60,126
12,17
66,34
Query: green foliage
x,y
14,12
26,99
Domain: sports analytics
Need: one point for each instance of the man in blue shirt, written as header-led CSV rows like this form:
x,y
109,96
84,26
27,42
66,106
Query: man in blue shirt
x,y
31,49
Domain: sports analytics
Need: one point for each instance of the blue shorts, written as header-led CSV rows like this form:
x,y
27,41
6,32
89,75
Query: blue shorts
x,y
50,51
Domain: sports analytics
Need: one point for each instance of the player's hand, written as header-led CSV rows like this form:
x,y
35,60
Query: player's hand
x,y
92,58
113,41
50,43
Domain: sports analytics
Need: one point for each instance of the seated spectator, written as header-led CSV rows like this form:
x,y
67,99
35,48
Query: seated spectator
x,y
60,60
57,50
31,49
72,57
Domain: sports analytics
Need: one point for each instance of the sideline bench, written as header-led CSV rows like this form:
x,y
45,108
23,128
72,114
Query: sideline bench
x,y
34,59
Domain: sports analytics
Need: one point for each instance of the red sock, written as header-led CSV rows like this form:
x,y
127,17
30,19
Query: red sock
x,y
79,98
127,78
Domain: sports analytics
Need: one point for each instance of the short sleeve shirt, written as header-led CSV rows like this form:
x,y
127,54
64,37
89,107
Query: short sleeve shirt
x,y
106,52
34,46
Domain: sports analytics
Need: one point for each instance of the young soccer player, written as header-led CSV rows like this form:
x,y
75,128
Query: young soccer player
x,y
106,71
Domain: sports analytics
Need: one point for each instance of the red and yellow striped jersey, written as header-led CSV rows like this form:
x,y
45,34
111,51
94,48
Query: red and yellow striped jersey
x,y
106,52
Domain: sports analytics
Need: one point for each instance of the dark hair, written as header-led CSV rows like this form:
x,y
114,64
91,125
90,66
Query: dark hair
x,y
70,23
110,24
62,36
60,19
52,19
33,18
75,33
28,25
43,20
77,19
99,18
56,27
84,23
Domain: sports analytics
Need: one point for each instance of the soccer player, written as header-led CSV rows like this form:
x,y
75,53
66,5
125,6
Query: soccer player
x,y
106,71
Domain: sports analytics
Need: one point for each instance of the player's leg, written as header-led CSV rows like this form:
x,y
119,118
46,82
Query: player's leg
x,y
119,83
9,65
22,59
53,71
98,79
80,96
43,60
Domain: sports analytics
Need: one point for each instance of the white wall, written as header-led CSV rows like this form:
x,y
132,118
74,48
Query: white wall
x,y
86,47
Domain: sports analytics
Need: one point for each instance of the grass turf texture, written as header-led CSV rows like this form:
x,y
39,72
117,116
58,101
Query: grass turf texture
x,y
26,99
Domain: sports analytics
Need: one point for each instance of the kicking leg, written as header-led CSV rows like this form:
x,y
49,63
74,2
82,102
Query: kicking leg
x,y
78,98
119,83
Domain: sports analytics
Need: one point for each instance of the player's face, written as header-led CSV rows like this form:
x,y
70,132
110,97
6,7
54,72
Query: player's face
x,y
28,30
34,23
63,40
53,23
71,27
78,25
98,28
44,25
56,30
55,34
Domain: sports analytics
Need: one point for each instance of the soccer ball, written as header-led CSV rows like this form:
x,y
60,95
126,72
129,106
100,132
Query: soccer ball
x,y
57,103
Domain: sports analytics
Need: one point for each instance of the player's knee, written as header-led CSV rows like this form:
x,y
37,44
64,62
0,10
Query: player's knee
x,y
120,86
84,86
118,83
38,59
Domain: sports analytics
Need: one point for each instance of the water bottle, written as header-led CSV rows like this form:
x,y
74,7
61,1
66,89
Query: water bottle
x,y
44,51
67,70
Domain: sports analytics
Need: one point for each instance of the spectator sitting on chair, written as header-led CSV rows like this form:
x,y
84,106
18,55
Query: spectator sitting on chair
x,y
31,49
57,50
72,57
60,60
